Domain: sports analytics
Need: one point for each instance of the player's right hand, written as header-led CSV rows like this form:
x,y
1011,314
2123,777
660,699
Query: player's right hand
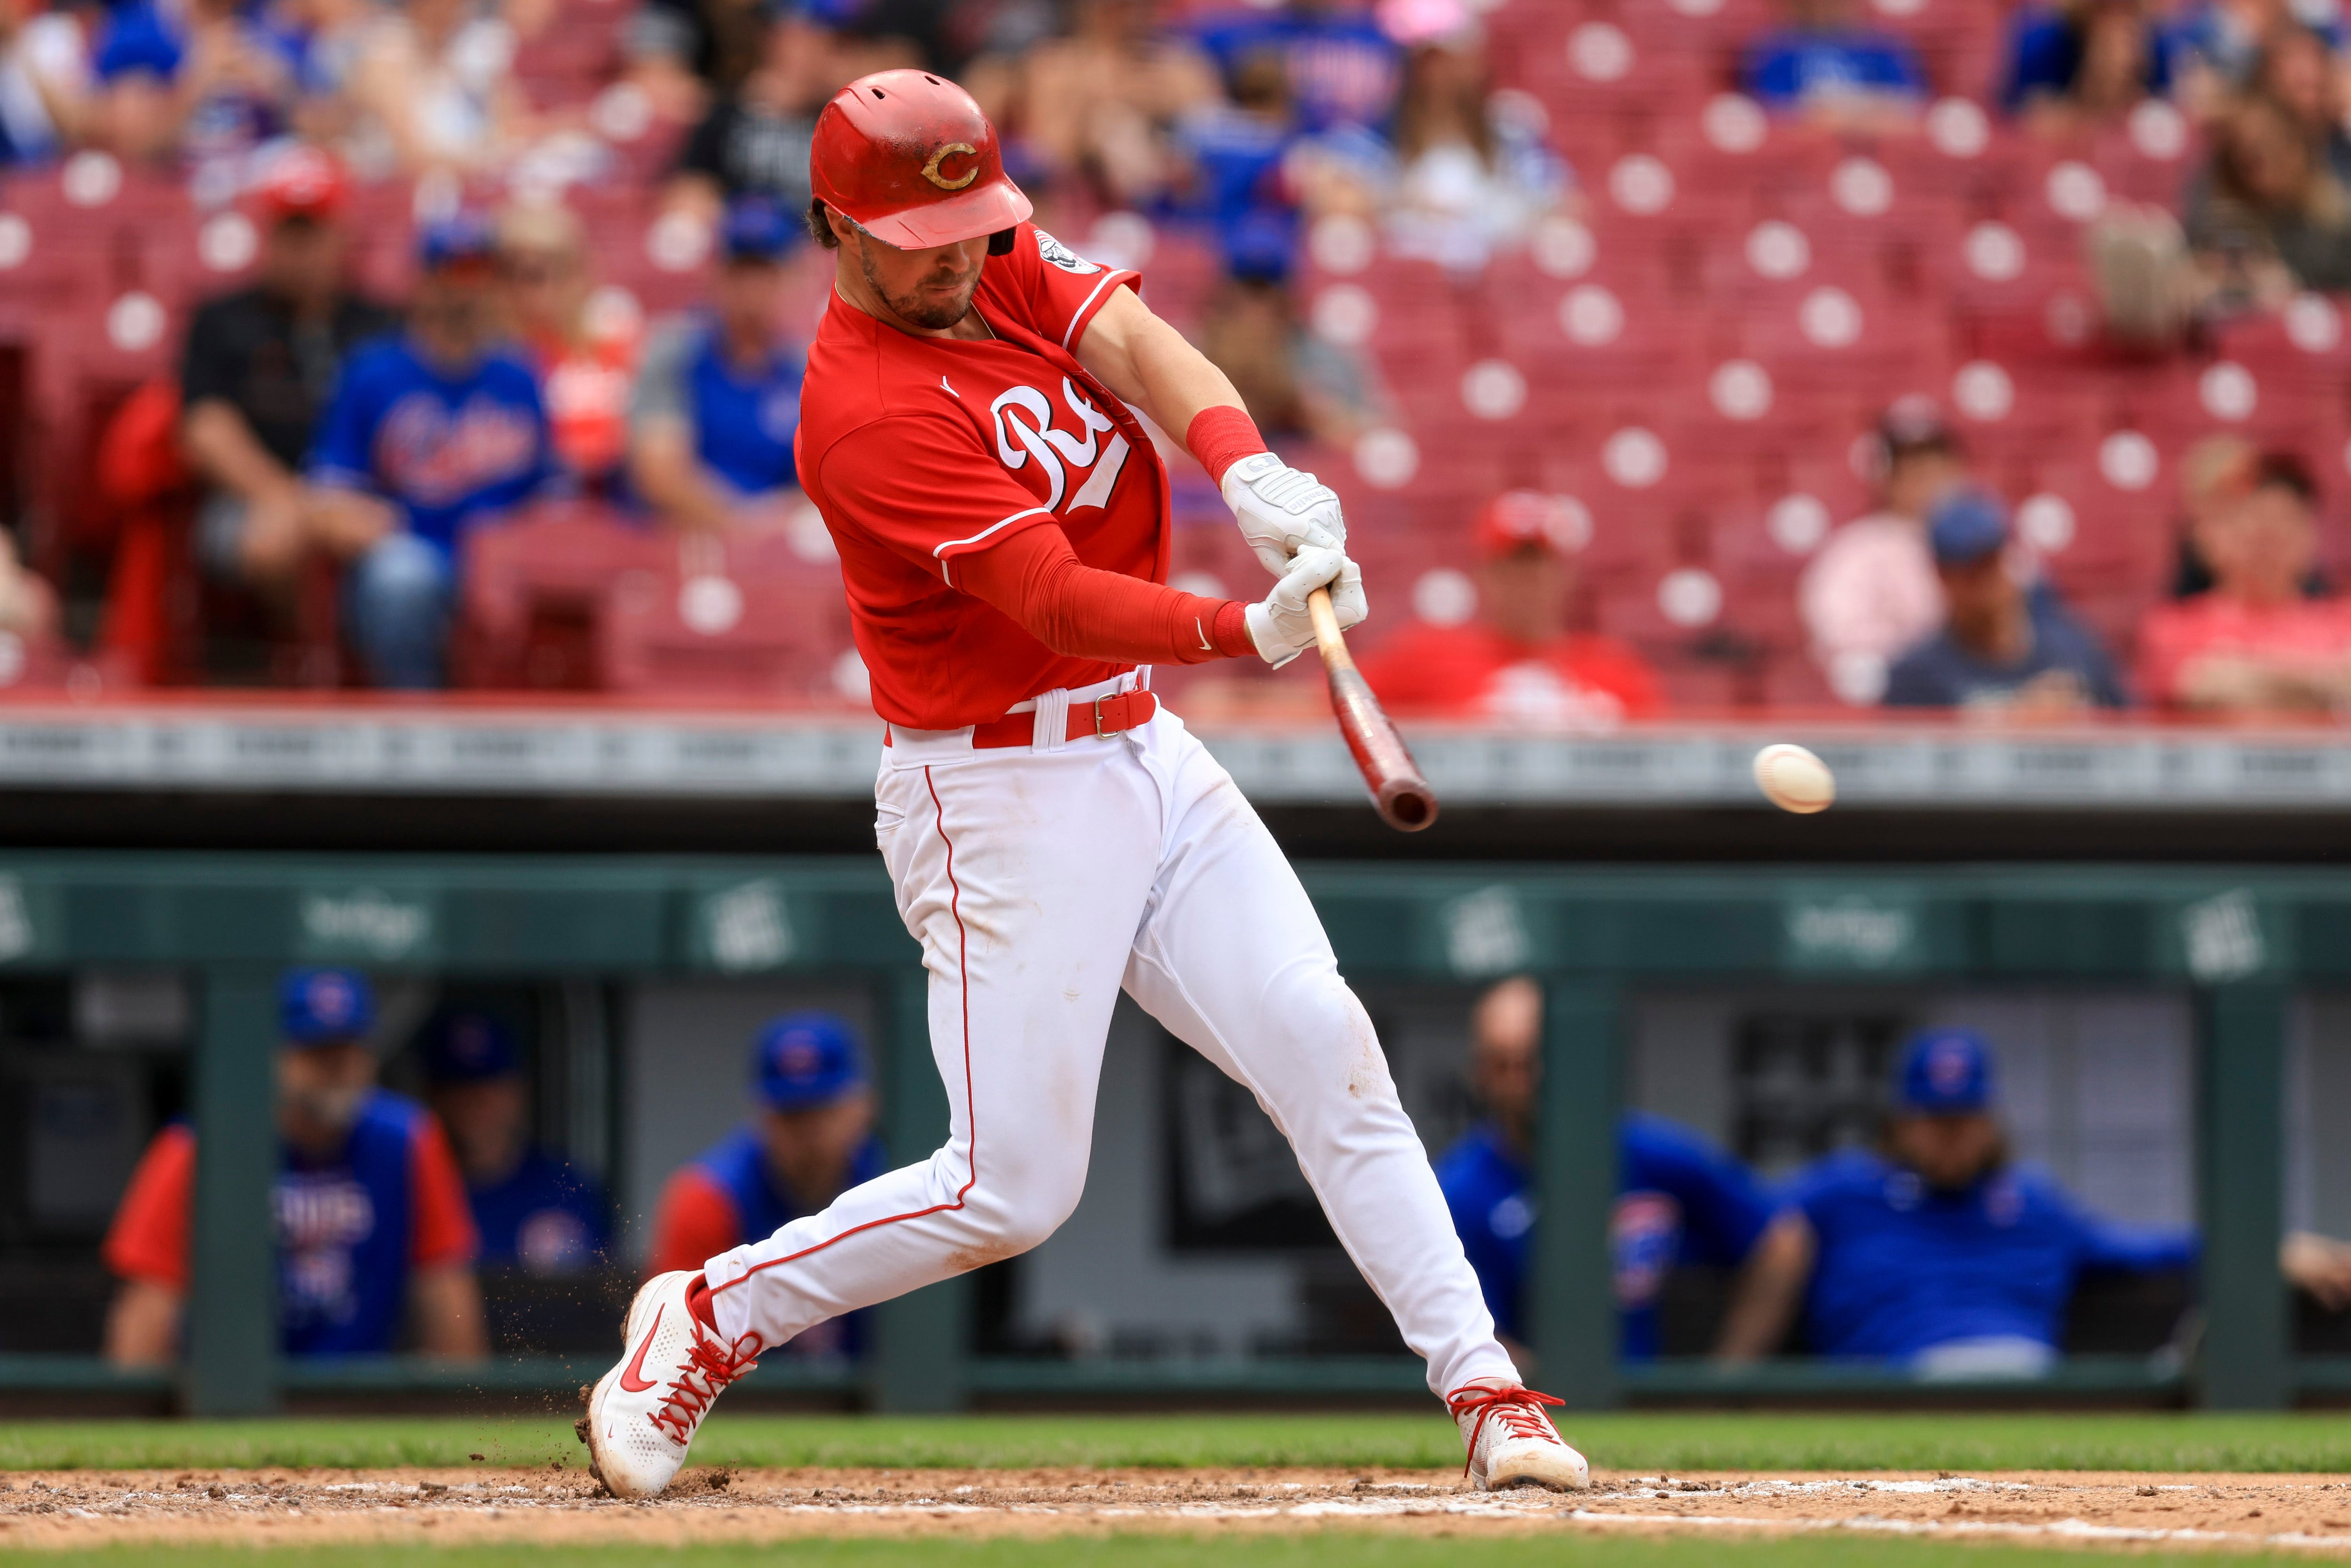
x,y
1282,510
1282,627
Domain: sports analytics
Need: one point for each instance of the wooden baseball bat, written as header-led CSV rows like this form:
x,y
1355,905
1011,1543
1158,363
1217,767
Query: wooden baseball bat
x,y
1402,795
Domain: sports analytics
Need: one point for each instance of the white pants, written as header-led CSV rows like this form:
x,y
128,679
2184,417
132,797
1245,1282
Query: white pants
x,y
1039,882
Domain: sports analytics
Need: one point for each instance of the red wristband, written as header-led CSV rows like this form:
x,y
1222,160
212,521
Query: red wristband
x,y
1221,437
1230,632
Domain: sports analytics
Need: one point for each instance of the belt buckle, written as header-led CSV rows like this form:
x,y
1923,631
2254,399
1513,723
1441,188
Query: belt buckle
x,y
1100,734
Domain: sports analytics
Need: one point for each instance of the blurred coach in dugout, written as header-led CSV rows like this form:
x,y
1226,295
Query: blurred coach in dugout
x,y
533,1211
1938,1251
1679,1199
811,1140
367,1206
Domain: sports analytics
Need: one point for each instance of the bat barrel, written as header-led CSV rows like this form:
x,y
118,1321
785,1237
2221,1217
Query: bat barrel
x,y
1408,804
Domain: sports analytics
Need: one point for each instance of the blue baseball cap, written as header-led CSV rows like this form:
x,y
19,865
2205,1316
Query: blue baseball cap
x,y
324,1007
469,1048
1964,526
805,1059
754,229
1945,1072
459,239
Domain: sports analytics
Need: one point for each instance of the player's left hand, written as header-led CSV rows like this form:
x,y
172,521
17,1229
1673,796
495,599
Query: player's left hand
x,y
1282,628
1282,510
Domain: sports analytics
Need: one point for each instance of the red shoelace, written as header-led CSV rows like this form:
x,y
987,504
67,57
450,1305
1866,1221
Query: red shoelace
x,y
717,1364
1519,1410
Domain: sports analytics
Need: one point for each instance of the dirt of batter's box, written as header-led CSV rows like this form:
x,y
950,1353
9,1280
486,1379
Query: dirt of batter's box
x,y
495,1503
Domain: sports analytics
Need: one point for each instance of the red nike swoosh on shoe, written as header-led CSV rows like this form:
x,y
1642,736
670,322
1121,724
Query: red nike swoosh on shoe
x,y
630,1382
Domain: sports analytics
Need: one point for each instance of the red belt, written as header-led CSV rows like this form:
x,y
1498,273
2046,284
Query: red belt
x,y
1113,715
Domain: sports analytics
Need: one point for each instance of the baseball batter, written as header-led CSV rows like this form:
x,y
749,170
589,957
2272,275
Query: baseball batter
x,y
969,429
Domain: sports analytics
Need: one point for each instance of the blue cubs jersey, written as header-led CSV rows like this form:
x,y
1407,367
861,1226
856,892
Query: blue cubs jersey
x,y
737,1168
1786,70
743,425
449,450
1342,69
1903,1268
1679,1199
544,1218
345,1235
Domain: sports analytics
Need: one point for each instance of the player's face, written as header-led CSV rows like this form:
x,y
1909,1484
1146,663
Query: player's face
x,y
1524,595
1948,1152
486,1122
320,1089
813,1149
928,289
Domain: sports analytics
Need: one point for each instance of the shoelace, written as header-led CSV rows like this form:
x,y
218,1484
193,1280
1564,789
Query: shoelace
x,y
684,1403
1519,1410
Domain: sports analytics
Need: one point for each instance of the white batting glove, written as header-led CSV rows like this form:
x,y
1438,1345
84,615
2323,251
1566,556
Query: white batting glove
x,y
1282,510
1282,626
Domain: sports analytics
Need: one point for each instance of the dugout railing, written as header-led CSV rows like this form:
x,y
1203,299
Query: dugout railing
x,y
2242,943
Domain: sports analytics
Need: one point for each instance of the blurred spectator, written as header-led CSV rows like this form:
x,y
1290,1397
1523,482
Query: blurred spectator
x,y
1294,382
1825,66
1243,163
1872,591
2301,70
1099,104
2220,42
689,53
2001,650
753,141
717,399
2255,642
2217,471
205,82
435,89
1679,1199
2081,64
1340,69
1517,662
534,1212
2266,217
370,1209
46,101
585,366
811,1140
1467,180
28,605
431,434
1940,1252
259,364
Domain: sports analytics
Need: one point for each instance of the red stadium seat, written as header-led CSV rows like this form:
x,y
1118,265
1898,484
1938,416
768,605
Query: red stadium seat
x,y
717,635
535,590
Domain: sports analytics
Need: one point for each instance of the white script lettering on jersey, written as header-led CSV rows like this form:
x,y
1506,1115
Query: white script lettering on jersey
x,y
1057,453
1062,256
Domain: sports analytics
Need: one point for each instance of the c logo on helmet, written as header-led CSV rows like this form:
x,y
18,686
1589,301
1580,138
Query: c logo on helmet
x,y
931,169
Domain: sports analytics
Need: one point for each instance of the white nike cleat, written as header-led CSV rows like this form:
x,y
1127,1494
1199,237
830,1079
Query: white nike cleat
x,y
642,1413
1512,1442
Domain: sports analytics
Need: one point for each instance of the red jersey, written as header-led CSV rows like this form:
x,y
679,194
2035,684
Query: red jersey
x,y
919,450
1473,672
2316,631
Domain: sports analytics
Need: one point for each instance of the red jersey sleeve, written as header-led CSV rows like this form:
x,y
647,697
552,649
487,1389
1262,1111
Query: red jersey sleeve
x,y
148,1237
916,483
1430,670
695,1222
1608,666
443,1229
2168,640
1056,289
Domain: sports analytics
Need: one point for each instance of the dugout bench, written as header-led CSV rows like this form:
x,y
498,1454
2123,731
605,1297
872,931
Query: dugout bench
x,y
2241,942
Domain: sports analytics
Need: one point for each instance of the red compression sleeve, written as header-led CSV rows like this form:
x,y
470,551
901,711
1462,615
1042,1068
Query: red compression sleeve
x,y
1085,613
1221,437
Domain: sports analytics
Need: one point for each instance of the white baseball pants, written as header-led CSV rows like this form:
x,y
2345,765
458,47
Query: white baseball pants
x,y
1040,880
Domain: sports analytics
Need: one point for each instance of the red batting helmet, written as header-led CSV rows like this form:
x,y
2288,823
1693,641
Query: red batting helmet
x,y
910,158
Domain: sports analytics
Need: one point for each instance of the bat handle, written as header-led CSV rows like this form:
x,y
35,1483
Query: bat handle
x,y
1327,636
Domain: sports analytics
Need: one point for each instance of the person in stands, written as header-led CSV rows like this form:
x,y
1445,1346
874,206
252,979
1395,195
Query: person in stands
x,y
534,1212
586,365
811,1139
2076,67
1872,591
754,140
1678,1198
257,368
1825,66
2002,650
371,1229
1938,1252
431,434
718,398
1516,661
2255,642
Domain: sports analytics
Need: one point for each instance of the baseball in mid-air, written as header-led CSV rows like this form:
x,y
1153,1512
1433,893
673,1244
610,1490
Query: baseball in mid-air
x,y
1795,780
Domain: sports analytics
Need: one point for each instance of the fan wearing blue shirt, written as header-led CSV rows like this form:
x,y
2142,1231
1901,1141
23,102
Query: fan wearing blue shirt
x,y
1939,1253
717,399
1342,70
429,435
535,1213
1825,67
1679,1199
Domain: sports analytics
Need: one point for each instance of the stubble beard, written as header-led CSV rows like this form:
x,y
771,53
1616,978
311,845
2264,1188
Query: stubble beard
x,y
913,308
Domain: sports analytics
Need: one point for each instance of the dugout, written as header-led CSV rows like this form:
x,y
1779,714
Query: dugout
x,y
2232,947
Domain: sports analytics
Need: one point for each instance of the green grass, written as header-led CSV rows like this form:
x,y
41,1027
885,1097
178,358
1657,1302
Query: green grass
x,y
1335,1548
1675,1442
